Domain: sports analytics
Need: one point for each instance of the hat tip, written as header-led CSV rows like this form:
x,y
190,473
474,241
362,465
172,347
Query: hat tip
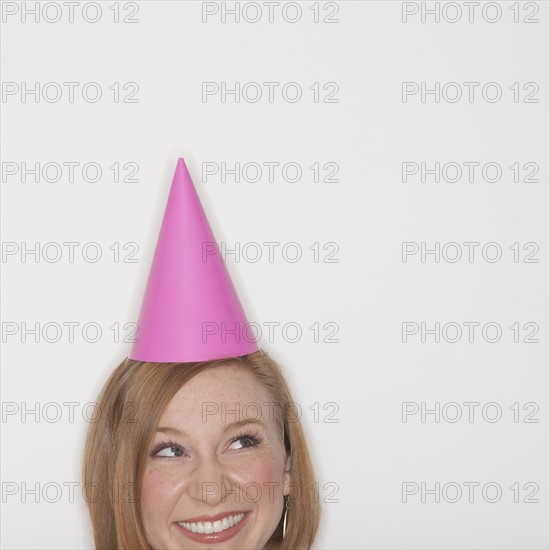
x,y
181,172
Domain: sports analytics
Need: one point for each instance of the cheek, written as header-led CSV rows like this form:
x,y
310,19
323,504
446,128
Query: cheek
x,y
159,492
261,478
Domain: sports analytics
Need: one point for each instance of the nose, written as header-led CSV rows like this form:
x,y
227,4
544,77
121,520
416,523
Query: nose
x,y
208,481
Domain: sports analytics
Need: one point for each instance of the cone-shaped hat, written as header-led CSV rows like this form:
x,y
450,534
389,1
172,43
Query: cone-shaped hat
x,y
190,310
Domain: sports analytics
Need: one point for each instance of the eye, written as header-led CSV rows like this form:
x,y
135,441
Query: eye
x,y
244,441
167,450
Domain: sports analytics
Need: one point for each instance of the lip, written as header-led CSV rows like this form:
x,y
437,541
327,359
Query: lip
x,y
214,537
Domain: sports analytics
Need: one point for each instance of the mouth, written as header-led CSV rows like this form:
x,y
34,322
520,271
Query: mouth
x,y
218,528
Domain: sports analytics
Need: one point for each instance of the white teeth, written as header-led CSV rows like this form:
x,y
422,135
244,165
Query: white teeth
x,y
217,526
212,527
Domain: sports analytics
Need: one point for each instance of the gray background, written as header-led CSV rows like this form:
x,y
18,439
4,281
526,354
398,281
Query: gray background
x,y
363,459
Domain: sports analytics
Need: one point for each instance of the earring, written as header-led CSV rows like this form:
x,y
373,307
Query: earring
x,y
284,518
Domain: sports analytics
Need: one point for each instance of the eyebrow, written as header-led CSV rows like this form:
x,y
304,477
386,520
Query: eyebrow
x,y
238,424
168,430
245,422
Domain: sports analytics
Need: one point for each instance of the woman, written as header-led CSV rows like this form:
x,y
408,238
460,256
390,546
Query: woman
x,y
195,442
158,480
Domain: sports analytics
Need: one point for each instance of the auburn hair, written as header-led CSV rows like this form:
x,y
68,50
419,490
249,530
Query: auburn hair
x,y
129,409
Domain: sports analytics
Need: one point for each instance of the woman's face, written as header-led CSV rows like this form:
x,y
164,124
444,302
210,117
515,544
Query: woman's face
x,y
217,469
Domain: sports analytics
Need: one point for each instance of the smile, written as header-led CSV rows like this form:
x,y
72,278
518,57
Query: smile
x,y
218,528
213,526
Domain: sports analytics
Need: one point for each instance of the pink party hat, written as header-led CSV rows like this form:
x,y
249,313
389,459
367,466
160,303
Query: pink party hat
x,y
190,310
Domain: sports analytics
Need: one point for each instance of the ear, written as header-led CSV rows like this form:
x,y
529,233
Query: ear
x,y
286,476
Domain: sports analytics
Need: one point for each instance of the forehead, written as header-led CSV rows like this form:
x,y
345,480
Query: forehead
x,y
229,390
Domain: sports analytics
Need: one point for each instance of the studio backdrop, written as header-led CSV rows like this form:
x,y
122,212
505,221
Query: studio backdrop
x,y
376,176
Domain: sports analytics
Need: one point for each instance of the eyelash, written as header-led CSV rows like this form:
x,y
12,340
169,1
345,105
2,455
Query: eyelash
x,y
163,445
253,436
